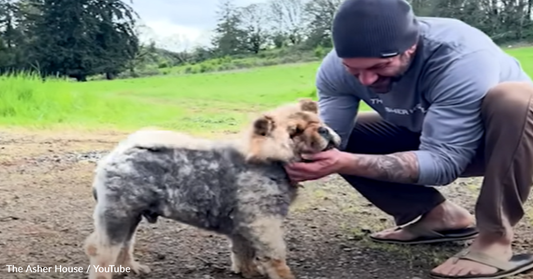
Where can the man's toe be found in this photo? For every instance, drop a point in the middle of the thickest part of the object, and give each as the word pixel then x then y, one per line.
pixel 476 265
pixel 453 270
pixel 462 271
pixel 384 232
pixel 444 268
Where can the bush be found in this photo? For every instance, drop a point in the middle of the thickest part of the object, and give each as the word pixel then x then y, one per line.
pixel 320 52
pixel 264 58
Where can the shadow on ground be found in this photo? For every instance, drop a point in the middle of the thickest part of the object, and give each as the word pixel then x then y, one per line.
pixel 46 207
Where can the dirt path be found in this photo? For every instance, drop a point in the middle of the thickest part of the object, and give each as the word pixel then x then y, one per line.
pixel 46 207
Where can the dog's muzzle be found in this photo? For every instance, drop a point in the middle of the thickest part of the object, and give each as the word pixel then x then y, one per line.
pixel 325 134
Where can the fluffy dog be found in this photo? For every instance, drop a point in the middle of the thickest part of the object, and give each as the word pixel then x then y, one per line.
pixel 237 188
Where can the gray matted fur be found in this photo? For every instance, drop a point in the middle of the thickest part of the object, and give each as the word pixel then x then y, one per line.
pixel 237 188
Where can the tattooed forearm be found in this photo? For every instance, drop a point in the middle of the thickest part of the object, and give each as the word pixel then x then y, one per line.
pixel 401 167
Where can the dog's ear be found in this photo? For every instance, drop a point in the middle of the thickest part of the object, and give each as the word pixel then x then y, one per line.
pixel 308 105
pixel 263 125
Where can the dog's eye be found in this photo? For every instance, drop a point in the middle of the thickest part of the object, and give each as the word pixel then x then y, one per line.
pixel 294 131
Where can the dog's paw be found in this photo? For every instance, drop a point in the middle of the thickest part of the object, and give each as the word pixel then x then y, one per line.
pixel 235 268
pixel 248 274
pixel 249 271
pixel 138 268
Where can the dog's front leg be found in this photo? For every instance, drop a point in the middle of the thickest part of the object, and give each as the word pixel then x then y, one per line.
pixel 266 236
pixel 242 257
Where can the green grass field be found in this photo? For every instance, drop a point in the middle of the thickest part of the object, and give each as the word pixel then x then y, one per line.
pixel 196 103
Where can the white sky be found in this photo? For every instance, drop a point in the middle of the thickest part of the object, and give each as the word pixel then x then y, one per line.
pixel 179 24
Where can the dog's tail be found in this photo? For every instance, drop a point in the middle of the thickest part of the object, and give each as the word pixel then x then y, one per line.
pixel 157 139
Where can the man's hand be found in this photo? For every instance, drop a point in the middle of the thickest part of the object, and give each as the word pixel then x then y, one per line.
pixel 323 164
pixel 400 167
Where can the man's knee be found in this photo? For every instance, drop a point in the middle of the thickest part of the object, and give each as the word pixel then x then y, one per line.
pixel 507 101
pixel 368 118
pixel 373 135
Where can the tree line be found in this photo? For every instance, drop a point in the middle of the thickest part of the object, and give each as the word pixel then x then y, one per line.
pixel 74 38
pixel 81 38
pixel 278 23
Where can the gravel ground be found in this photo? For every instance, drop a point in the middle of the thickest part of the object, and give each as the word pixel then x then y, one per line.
pixel 46 206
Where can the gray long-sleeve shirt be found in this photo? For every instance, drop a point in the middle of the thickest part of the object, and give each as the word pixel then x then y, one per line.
pixel 439 96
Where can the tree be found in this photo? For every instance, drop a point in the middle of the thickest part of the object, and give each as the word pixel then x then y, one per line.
pixel 12 37
pixel 78 38
pixel 229 38
pixel 114 34
pixel 319 16
pixel 254 21
pixel 288 21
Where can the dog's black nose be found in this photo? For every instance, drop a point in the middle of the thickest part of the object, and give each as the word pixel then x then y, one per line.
pixel 323 132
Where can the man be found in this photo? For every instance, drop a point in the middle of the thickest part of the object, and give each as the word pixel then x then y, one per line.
pixel 449 103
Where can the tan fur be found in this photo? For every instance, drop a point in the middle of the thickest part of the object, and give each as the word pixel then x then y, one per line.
pixel 281 269
pixel 272 139
pixel 269 230
pixel 243 258
pixel 152 138
pixel 267 137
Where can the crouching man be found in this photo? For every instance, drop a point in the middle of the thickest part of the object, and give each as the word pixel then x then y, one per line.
pixel 450 103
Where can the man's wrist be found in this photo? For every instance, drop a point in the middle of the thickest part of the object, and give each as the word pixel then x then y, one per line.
pixel 346 162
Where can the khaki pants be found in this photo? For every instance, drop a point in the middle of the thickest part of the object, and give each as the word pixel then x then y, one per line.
pixel 505 159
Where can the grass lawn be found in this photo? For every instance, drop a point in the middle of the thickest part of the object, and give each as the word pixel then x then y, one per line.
pixel 196 103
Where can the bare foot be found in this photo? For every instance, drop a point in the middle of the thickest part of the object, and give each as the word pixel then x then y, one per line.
pixel 498 248
pixel 445 216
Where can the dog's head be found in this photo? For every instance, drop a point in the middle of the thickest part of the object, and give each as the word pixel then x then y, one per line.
pixel 288 131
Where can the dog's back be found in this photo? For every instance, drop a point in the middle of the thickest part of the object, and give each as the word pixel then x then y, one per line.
pixel 202 184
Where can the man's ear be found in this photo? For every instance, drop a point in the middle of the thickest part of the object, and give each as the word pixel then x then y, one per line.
pixel 308 105
pixel 263 125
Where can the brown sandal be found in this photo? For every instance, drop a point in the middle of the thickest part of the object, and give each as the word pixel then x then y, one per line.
pixel 519 263
pixel 426 236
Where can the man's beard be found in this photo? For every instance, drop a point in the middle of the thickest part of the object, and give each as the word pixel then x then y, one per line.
pixel 384 84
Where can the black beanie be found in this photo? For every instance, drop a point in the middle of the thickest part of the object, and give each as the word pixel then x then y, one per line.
pixel 374 28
